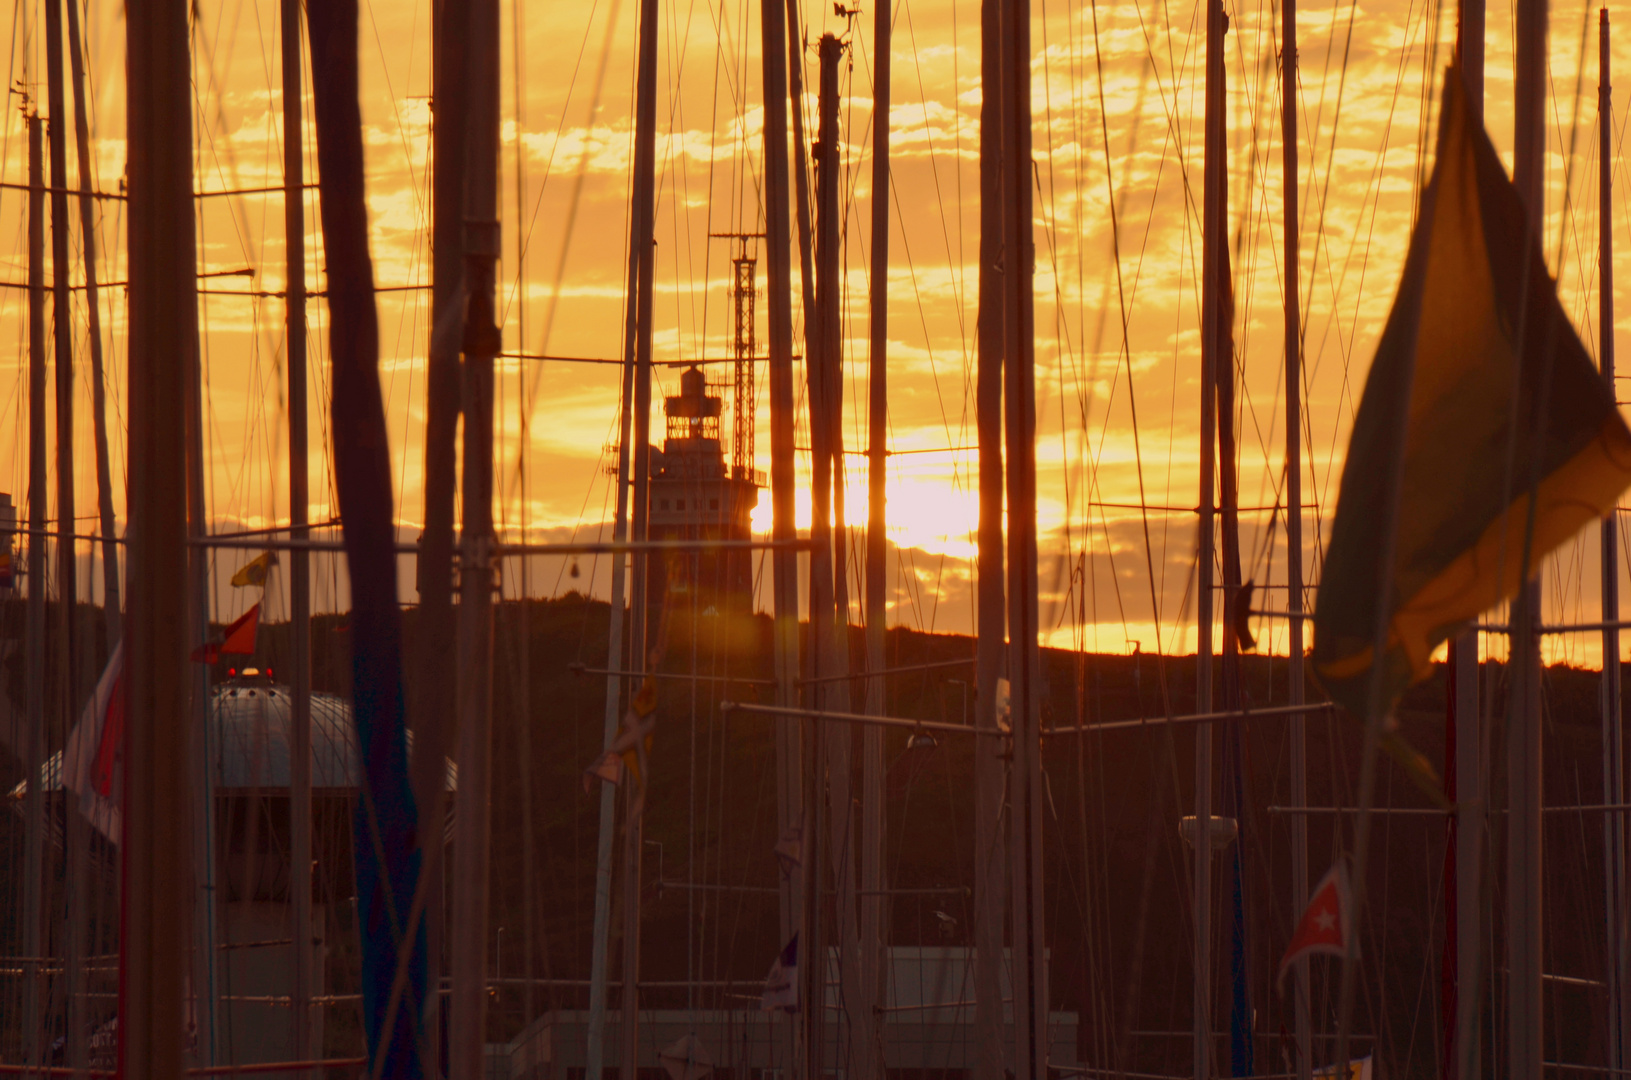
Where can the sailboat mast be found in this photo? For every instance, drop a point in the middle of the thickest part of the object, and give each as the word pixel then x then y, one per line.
pixel 1525 1001
pixel 294 237
pixel 990 768
pixel 829 760
pixel 1294 517
pixel 1213 240
pixel 1024 657
pixel 595 1058
pixel 1469 794
pixel 63 339
pixel 33 804
pixel 877 548
pixel 1619 955
pixel 68 642
pixel 784 563
pixel 435 688
pixel 830 590
pixel 93 318
pixel 644 244
pixel 472 842
pixel 156 850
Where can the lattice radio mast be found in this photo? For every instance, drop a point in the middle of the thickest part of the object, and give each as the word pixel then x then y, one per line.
pixel 744 295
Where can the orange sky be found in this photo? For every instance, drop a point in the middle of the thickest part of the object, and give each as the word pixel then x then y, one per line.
pixel 1117 98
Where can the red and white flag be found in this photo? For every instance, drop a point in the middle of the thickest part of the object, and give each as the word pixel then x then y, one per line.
pixel 1326 922
pixel 93 758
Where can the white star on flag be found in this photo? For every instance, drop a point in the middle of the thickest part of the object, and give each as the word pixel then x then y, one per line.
pixel 1325 923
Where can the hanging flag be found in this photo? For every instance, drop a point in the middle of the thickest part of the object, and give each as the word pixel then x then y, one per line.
pixel 632 743
pixel 253 572
pixel 238 639
pixel 1503 422
pixel 93 757
pixel 686 1059
pixel 782 984
pixel 1326 922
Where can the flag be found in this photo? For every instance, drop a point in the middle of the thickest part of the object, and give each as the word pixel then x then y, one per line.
pixel 93 757
pixel 632 743
pixel 686 1059
pixel 254 571
pixel 1485 386
pixel 238 639
pixel 1325 924
pixel 782 984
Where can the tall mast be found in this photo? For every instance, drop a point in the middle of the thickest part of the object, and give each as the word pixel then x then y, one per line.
pixel 877 547
pixel 93 317
pixel 827 764
pixel 1468 763
pixel 1525 1001
pixel 1294 516
pixel 33 804
pixel 1030 1008
pixel 829 591
pixel 1241 1014
pixel 294 238
pixel 156 850
pixel 1619 965
pixel 601 939
pixel 1213 240
pixel 67 639
pixel 435 690
pixel 784 563
pixel 62 336
pixel 990 768
pixel 472 846
pixel 643 242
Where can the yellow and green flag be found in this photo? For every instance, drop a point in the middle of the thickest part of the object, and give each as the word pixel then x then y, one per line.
pixel 1499 404
pixel 253 573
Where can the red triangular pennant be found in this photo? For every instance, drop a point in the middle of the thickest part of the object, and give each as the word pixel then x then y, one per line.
pixel 1326 922
pixel 237 640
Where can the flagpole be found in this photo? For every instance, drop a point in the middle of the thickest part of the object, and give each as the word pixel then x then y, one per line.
pixel 1619 965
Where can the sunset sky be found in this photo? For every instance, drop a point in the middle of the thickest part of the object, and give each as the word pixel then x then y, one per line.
pixel 1117 97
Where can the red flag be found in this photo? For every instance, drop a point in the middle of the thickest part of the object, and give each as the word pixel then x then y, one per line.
pixel 1326 922
pixel 237 640
pixel 93 757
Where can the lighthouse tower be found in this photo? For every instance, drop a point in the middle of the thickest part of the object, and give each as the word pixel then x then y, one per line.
pixel 696 496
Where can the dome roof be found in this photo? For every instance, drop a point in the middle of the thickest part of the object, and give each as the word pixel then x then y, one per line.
pixel 249 741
